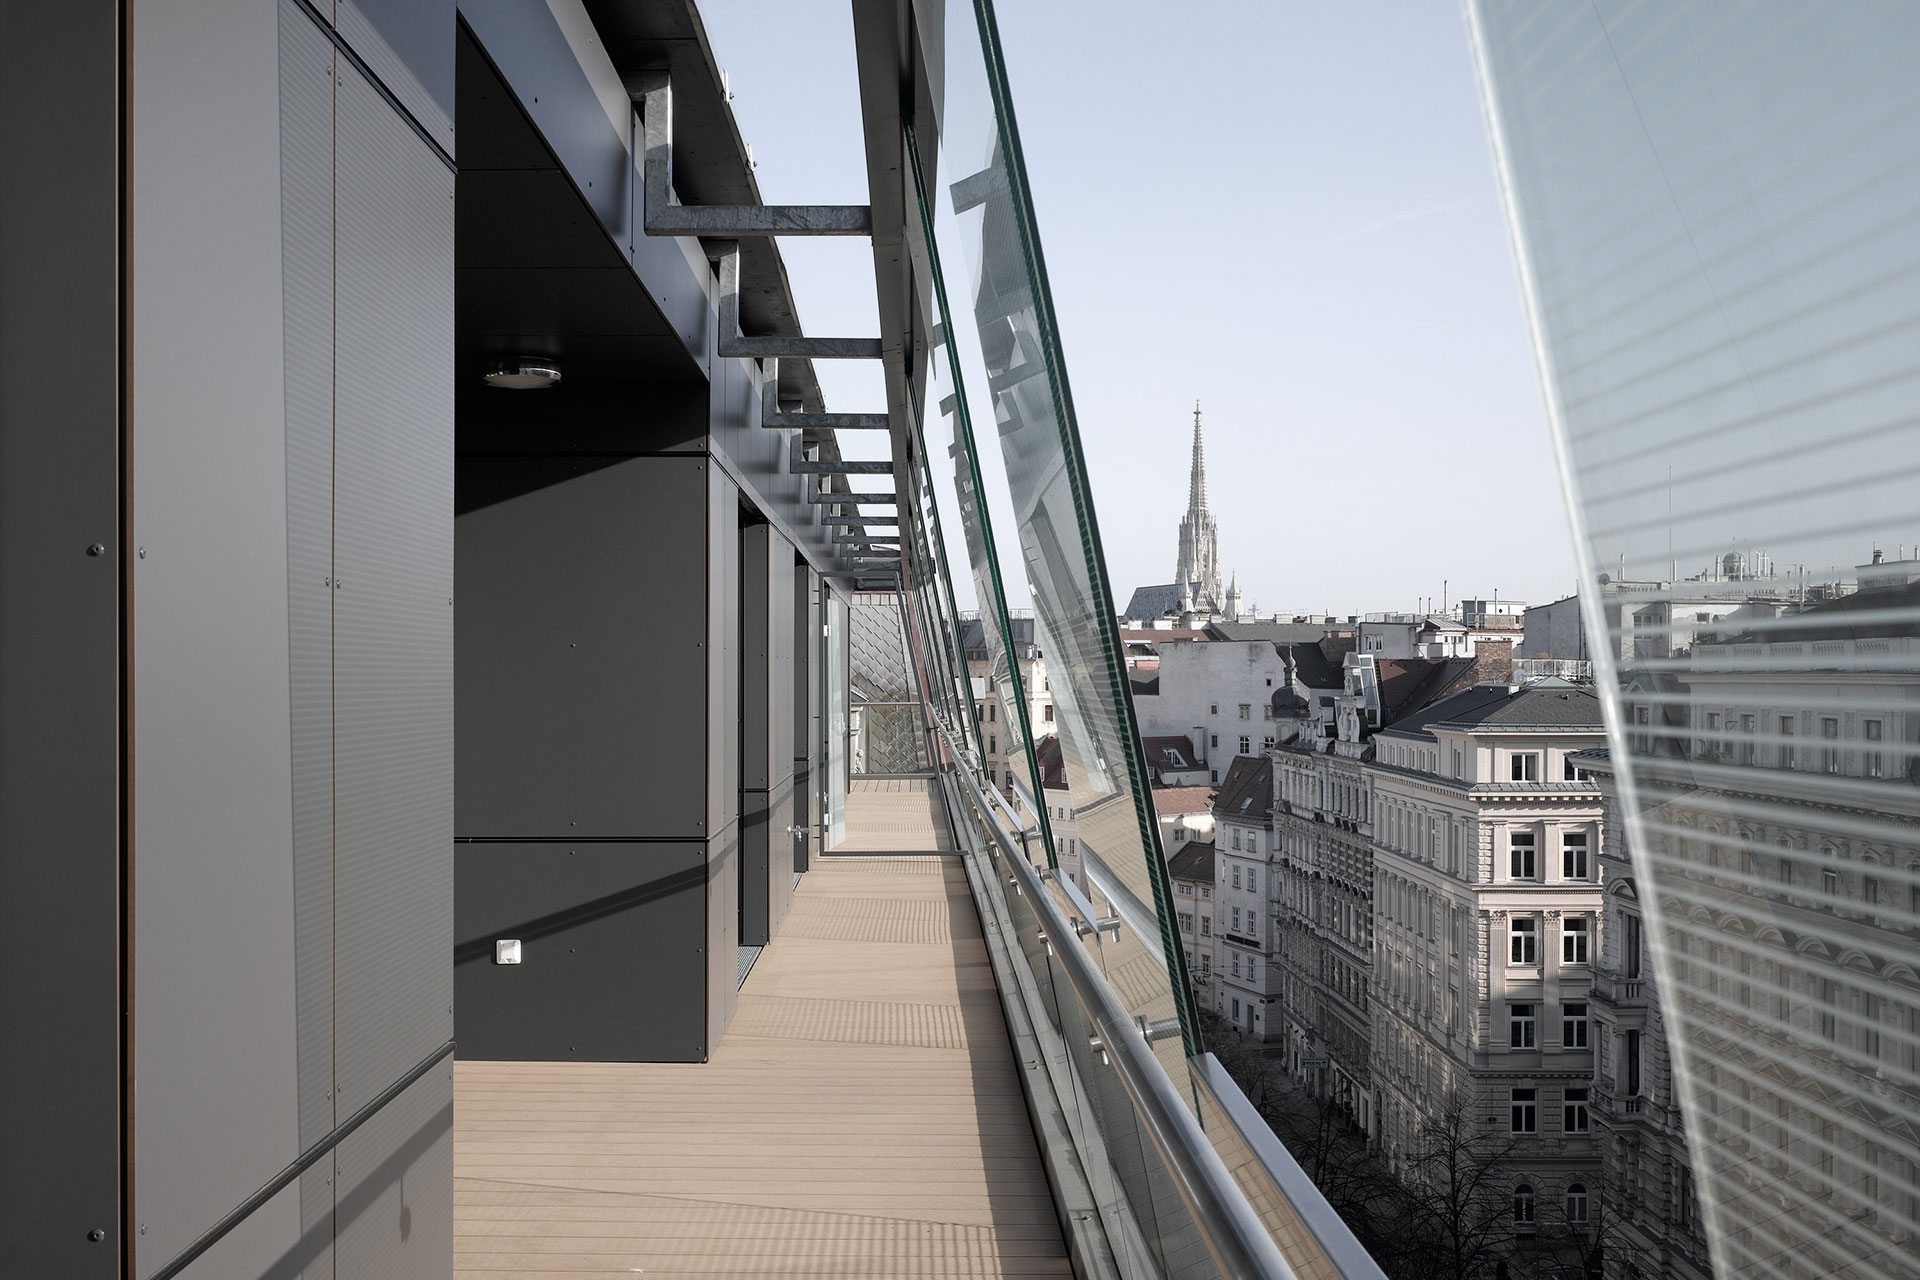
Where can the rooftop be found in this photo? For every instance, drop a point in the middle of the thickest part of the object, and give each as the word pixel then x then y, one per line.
pixel 1246 793
pixel 1172 800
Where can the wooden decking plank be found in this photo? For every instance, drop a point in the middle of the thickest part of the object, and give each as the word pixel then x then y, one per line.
pixel 863 1115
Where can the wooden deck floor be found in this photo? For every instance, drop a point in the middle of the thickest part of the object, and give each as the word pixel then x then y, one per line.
pixel 861 1116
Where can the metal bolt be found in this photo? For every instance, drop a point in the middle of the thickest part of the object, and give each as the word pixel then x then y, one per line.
pixel 143 1228
pixel 143 553
pixel 96 549
pixel 96 1235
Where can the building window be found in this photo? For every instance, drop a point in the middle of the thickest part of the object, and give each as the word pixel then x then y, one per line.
pixel 1520 1026
pixel 1213 740
pixel 1571 772
pixel 1520 864
pixel 1253 878
pixel 1186 922
pixel 1246 745
pixel 1236 929
pixel 1213 709
pixel 1246 711
pixel 1630 947
pixel 1456 762
pixel 1573 940
pixel 1633 1064
pixel 1236 1004
pixel 993 713
pixel 1526 766
pixel 1206 926
pixel 1573 1025
pixel 1577 1193
pixel 1266 743
pixel 1829 755
pixel 1573 856
pixel 1215 773
pixel 1525 938
pixel 1048 713
pixel 1236 954
pixel 1873 762
pixel 1526 1119
pixel 1787 759
pixel 1236 870
pixel 1573 1111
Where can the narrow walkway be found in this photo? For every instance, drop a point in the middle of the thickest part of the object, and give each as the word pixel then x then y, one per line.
pixel 861 1116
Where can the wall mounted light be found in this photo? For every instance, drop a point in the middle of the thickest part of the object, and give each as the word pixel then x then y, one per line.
pixel 522 373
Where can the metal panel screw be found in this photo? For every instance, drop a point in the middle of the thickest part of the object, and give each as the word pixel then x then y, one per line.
pixel 96 1235
pixel 143 1228
pixel 143 553
pixel 96 549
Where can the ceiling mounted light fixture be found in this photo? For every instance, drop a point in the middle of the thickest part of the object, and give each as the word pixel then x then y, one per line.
pixel 522 373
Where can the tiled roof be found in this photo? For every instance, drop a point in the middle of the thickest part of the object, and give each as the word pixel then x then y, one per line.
pixel 1151 602
pixel 1172 800
pixel 1546 704
pixel 1194 862
pixel 1246 794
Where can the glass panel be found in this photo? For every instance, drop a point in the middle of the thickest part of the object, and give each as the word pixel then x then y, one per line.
pixel 833 789
pixel 886 727
pixel 1003 671
pixel 1717 213
pixel 981 214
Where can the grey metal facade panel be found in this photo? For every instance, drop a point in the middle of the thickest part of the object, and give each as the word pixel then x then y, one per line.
pixel 59 634
pixel 393 589
pixel 757 743
pixel 566 674
pixel 214 1034
pixel 755 876
pixel 268 1245
pixel 614 942
pixel 306 219
pixel 394 1184
pixel 721 717
pixel 408 44
pixel 780 855
pixel 780 660
pixel 723 933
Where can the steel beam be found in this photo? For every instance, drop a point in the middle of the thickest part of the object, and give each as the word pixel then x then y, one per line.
pixel 663 217
pixel 808 466
pixel 771 416
pixel 734 344
pixel 855 499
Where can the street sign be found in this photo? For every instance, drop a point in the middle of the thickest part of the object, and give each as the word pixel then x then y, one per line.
pixel 1308 1064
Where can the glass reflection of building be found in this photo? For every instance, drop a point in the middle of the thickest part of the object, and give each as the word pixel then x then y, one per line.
pixel 1714 214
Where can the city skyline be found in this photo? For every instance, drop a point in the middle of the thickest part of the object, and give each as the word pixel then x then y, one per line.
pixel 1368 326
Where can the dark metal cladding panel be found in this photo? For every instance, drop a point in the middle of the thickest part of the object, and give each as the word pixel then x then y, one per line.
pixel 216 1112
pixel 583 709
pixel 408 45
pixel 393 598
pixel 306 228
pixel 394 1180
pixel 613 939
pixel 59 619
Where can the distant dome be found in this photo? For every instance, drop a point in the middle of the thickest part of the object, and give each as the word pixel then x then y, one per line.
pixel 1605 578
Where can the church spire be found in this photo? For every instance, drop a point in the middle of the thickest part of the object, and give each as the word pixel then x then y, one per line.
pixel 1197 482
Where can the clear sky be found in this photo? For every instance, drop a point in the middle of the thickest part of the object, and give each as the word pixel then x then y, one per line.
pixel 1285 210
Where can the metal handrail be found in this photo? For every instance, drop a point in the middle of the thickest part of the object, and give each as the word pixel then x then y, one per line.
pixel 1234 1234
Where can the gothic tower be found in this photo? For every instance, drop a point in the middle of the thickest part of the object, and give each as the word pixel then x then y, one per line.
pixel 1199 541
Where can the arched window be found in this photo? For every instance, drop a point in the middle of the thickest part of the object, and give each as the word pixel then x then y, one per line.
pixel 1577 1203
pixel 1523 1203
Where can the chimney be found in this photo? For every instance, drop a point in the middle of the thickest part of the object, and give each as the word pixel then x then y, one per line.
pixel 1198 737
pixel 1493 661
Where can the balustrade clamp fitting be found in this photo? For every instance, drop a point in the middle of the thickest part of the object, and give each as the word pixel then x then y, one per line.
pixel 1106 924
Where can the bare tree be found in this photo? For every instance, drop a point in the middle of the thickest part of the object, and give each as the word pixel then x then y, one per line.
pixel 1459 1188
